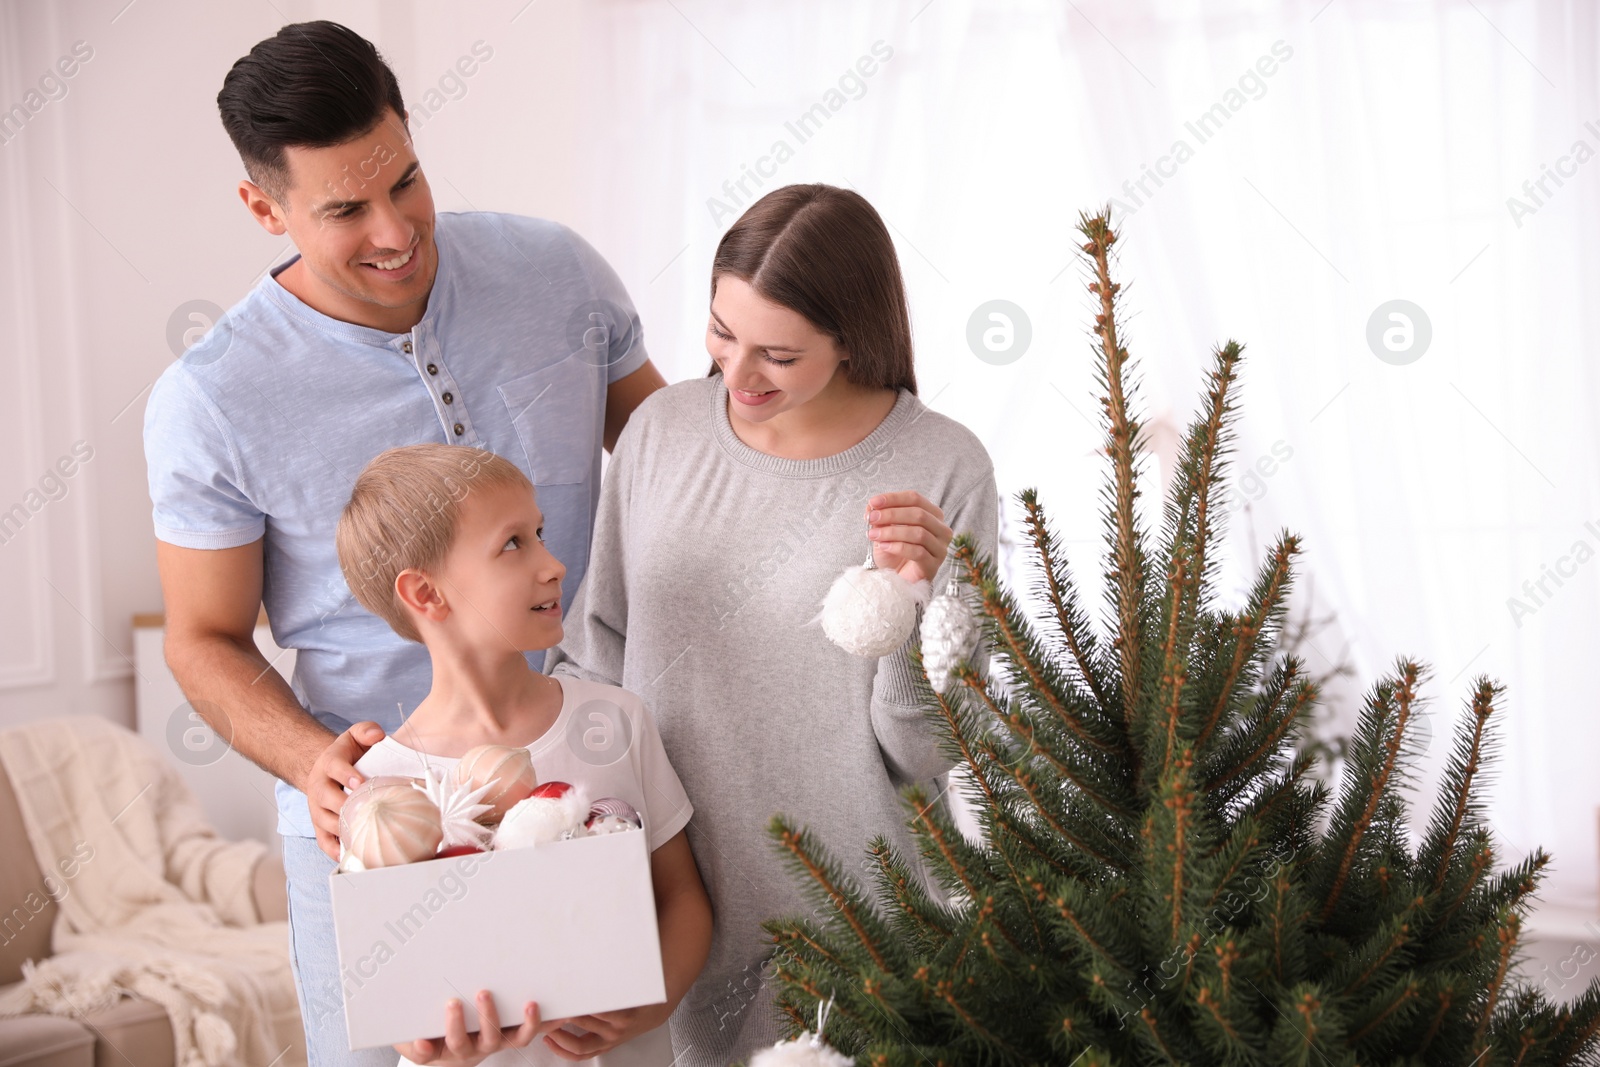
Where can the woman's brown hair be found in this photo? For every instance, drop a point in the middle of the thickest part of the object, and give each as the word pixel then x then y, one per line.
pixel 824 253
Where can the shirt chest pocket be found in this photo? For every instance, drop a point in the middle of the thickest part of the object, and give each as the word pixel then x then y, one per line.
pixel 556 412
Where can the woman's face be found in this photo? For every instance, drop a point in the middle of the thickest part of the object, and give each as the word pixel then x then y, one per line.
pixel 773 359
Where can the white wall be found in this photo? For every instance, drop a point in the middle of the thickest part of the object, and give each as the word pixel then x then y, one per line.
pixel 1378 163
pixel 117 206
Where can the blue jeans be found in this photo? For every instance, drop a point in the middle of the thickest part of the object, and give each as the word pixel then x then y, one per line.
pixel 315 960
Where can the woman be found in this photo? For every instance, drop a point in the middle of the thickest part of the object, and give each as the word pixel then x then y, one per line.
pixel 731 504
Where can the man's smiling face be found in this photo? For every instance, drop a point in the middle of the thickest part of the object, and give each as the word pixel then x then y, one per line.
pixel 361 214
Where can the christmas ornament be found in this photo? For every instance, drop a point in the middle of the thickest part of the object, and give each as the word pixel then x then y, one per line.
pixel 807 1050
pixel 348 862
pixel 949 632
pixel 385 822
pixel 610 815
pixel 871 610
pixel 458 850
pixel 508 770
pixel 555 811
pixel 459 808
pixel 378 781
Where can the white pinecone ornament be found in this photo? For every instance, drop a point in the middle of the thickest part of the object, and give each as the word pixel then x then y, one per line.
pixel 949 632
pixel 459 809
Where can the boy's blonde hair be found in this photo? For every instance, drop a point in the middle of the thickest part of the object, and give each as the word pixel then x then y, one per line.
pixel 403 513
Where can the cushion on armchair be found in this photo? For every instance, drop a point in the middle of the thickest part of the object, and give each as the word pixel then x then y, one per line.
pixel 45 1041
pixel 131 1032
pixel 29 900
pixel 270 889
pixel 159 906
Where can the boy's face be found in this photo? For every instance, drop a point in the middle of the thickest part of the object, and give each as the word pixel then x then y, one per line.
pixel 503 586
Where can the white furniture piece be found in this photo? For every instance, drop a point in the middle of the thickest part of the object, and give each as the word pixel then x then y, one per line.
pixel 235 793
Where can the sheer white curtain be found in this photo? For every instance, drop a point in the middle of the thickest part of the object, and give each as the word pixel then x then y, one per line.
pixel 1339 156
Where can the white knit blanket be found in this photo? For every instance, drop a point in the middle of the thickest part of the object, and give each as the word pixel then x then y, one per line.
pixel 152 902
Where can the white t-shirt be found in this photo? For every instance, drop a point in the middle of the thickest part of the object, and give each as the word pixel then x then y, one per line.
pixel 604 742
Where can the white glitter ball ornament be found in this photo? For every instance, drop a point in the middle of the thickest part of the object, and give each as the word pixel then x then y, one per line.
pixel 801 1052
pixel 807 1050
pixel 949 632
pixel 871 610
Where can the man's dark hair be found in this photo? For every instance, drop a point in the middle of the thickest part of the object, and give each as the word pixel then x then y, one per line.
pixel 313 84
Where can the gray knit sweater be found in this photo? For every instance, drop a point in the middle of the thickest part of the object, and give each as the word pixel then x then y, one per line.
pixel 708 565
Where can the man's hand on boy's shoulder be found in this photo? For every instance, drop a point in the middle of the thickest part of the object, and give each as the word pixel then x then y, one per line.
pixel 330 774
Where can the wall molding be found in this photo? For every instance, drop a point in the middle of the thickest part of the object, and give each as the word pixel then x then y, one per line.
pixel 23 336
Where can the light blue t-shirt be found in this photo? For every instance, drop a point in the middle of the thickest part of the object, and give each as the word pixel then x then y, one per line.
pixel 261 428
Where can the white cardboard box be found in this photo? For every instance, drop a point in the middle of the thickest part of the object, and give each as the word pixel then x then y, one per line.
pixel 569 924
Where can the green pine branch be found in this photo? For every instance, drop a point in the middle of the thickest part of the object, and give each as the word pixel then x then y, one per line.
pixel 1160 878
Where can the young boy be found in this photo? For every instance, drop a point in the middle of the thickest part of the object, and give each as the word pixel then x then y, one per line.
pixel 444 543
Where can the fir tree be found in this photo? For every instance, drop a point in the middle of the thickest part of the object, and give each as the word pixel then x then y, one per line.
pixel 1160 880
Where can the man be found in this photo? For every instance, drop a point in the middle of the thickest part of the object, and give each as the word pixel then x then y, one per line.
pixel 392 326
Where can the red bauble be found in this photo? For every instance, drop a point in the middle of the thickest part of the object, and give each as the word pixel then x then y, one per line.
pixel 458 850
pixel 553 790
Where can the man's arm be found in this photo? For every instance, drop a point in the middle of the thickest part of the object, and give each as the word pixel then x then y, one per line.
pixel 625 394
pixel 212 598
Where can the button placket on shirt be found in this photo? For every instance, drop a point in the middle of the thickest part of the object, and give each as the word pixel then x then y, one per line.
pixel 423 348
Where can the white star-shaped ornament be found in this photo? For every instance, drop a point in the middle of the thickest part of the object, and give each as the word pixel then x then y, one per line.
pixel 458 809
